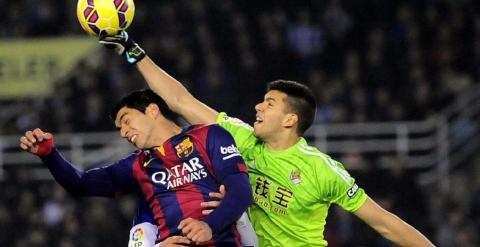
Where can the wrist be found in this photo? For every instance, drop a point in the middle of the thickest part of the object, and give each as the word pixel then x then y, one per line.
pixel 212 224
pixel 135 54
pixel 45 148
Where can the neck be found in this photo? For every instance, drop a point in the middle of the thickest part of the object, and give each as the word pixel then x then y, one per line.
pixel 281 142
pixel 165 132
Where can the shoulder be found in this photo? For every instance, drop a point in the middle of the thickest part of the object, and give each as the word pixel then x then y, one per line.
pixel 136 155
pixel 206 128
pixel 323 163
pixel 224 120
pixel 311 154
pixel 209 132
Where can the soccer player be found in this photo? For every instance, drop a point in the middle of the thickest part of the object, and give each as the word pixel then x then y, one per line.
pixel 173 170
pixel 293 183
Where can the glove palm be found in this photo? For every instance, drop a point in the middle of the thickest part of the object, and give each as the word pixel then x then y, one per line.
pixel 124 45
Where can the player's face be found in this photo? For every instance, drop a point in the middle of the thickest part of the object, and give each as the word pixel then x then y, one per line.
pixel 271 114
pixel 135 126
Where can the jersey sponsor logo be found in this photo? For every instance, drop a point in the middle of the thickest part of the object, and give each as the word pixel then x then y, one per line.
pixel 271 196
pixel 137 235
pixel 295 177
pixel 182 174
pixel 230 152
pixel 184 148
pixel 352 191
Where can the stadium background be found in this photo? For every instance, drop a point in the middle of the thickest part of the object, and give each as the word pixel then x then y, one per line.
pixel 368 61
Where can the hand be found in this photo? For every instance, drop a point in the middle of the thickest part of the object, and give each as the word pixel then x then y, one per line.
pixel 211 205
pixel 124 45
pixel 196 230
pixel 174 241
pixel 37 142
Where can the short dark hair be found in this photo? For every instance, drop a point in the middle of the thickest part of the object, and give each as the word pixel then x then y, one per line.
pixel 300 99
pixel 139 100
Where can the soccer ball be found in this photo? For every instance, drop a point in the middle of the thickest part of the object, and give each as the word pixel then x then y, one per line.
pixel 105 17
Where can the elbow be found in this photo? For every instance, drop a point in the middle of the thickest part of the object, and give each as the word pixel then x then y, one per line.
pixel 74 192
pixel 74 188
pixel 385 232
pixel 248 198
pixel 179 101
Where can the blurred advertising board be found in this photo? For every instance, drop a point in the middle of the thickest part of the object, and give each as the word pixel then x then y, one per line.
pixel 28 67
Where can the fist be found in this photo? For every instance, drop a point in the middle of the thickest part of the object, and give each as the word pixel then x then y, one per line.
pixel 37 142
pixel 196 230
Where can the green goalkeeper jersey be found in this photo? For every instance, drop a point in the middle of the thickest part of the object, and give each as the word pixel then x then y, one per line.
pixel 292 189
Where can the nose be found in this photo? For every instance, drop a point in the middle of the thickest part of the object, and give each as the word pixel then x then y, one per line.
pixel 258 107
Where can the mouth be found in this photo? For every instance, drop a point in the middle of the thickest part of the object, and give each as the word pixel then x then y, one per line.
pixel 132 138
pixel 258 120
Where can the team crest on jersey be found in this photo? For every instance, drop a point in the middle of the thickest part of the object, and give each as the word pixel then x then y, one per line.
pixel 184 148
pixel 295 177
pixel 137 235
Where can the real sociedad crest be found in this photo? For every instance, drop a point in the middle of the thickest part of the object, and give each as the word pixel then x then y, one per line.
pixel 295 177
pixel 184 148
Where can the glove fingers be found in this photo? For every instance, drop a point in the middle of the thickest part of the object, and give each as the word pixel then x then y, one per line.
pixel 119 49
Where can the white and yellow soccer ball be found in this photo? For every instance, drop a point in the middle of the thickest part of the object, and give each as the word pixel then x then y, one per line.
pixel 105 17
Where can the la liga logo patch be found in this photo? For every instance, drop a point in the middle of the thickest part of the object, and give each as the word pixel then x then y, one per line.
pixel 137 235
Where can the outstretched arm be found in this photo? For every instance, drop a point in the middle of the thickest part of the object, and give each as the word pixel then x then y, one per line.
pixel 172 91
pixel 390 226
pixel 104 182
pixel 175 94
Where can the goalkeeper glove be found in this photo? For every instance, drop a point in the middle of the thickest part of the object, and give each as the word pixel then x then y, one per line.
pixel 124 45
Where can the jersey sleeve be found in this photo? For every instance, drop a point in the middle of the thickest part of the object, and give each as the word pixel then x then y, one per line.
pixel 337 186
pixel 241 131
pixel 144 212
pixel 143 235
pixel 223 153
pixel 107 181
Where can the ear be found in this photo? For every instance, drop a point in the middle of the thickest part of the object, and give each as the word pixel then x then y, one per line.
pixel 290 120
pixel 152 110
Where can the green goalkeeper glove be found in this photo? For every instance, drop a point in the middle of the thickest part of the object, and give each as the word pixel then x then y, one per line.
pixel 124 45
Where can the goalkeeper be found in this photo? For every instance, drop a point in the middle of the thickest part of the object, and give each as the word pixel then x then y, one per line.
pixel 293 183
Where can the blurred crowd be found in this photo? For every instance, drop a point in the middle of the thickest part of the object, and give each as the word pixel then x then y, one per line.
pixel 366 60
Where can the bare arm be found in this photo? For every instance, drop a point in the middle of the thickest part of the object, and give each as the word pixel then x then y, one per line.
pixel 175 94
pixel 390 226
pixel 172 91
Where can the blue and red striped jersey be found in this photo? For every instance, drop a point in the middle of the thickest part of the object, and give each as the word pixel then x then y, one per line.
pixel 172 180
pixel 176 177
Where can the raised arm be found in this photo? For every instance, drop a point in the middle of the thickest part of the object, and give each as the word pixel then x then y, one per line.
pixel 172 91
pixel 175 94
pixel 390 226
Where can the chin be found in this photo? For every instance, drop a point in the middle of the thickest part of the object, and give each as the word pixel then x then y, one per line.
pixel 255 131
pixel 257 134
pixel 139 145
